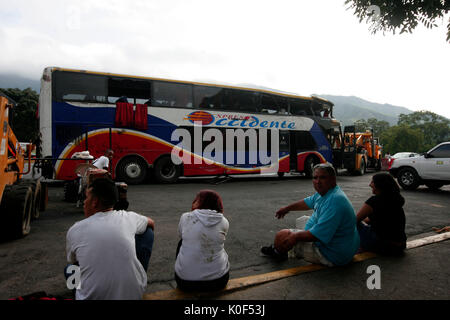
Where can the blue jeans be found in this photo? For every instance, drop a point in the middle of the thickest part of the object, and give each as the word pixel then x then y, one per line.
pixel 144 245
pixel 369 241
pixel 368 238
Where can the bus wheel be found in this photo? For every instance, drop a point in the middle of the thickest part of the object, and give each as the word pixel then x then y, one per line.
pixel 132 170
pixel 166 171
pixel 309 167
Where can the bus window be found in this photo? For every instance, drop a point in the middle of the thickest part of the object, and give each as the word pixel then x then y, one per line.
pixel 300 107
pixel 168 94
pixel 283 105
pixel 239 100
pixel 269 104
pixel 71 86
pixel 317 108
pixel 207 97
pixel 137 91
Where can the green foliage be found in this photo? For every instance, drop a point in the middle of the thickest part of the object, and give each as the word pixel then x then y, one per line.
pixel 435 128
pixel 402 138
pixel 372 123
pixel 401 15
pixel 416 132
pixel 24 121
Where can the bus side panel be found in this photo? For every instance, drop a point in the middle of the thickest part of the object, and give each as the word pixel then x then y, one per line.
pixel 283 163
pixel 324 146
pixel 124 142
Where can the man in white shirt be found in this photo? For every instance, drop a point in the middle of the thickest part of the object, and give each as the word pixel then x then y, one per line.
pixel 103 161
pixel 112 248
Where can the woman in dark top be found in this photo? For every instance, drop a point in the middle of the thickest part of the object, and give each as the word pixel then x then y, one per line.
pixel 381 220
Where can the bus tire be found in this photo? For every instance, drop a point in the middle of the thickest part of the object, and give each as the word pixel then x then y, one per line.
pixel 310 162
pixel 132 170
pixel 408 179
pixel 165 171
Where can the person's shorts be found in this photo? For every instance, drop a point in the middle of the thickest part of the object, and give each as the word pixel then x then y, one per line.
pixel 308 251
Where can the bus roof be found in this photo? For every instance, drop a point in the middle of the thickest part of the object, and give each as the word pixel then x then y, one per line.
pixel 211 83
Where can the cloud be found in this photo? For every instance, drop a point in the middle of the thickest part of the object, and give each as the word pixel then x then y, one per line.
pixel 289 45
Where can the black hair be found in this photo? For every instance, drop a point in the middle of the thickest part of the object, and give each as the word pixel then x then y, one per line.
pixel 105 190
pixel 385 183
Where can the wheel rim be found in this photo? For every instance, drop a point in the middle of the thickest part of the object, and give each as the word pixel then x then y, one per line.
pixel 133 170
pixel 168 170
pixel 407 178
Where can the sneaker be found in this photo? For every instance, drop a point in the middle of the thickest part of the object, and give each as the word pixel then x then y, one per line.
pixel 270 251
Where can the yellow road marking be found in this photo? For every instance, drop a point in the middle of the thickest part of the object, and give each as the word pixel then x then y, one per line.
pixel 244 282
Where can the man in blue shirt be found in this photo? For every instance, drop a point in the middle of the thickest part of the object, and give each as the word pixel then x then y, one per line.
pixel 330 236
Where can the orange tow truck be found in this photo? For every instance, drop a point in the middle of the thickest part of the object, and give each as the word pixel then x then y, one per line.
pixel 20 199
pixel 361 150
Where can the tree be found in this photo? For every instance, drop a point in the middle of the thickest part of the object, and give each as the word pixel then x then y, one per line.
pixel 402 138
pixel 24 121
pixel 372 123
pixel 434 127
pixel 403 15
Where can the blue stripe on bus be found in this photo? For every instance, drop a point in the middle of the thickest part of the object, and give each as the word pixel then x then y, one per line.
pixel 321 140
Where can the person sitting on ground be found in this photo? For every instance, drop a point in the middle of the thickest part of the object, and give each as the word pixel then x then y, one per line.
pixel 381 220
pixel 329 236
pixel 112 248
pixel 103 161
pixel 202 262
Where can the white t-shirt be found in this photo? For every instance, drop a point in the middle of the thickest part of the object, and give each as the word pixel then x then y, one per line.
pixel 102 162
pixel 104 247
pixel 202 255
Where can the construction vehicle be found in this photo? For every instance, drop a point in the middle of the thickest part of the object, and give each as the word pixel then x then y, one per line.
pixel 360 151
pixel 21 199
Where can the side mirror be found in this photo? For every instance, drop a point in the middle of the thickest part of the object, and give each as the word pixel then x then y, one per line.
pixel 426 155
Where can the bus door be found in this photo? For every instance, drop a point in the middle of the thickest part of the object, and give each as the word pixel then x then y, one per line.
pixel 289 148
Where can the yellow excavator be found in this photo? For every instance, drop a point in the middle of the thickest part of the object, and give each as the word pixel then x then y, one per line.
pixel 21 199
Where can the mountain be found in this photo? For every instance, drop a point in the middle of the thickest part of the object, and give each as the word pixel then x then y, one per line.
pixel 14 81
pixel 349 109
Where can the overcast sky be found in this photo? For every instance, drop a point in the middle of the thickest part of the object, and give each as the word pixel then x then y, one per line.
pixel 305 47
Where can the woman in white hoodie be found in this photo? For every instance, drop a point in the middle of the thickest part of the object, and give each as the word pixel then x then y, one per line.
pixel 202 263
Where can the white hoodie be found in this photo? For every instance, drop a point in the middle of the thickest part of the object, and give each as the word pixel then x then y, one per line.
pixel 202 255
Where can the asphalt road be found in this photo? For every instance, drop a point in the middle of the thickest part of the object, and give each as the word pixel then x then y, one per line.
pixel 36 262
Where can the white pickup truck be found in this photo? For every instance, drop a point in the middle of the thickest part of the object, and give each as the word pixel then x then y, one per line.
pixel 431 168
